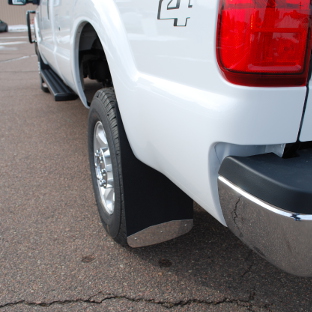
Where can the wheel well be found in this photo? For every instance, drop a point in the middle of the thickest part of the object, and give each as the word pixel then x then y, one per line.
pixel 92 62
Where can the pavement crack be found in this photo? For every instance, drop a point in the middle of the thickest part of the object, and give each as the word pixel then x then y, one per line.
pixel 250 265
pixel 166 304
pixel 95 300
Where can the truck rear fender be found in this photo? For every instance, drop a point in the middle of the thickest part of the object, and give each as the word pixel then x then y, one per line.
pixel 156 209
pixel 108 26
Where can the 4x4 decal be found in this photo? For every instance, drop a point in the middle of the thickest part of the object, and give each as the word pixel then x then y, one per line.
pixel 178 10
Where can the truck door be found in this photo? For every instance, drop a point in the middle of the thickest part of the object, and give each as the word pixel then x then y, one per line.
pixel 63 12
pixel 55 25
pixel 47 44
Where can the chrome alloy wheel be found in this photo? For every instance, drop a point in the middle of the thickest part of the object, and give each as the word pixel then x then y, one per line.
pixel 103 168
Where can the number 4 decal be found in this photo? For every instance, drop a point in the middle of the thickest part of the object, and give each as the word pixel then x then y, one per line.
pixel 178 10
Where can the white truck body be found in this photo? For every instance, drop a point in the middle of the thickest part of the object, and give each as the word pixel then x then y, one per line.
pixel 181 116
pixel 194 116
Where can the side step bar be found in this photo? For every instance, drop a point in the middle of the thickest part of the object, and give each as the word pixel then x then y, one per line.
pixel 57 87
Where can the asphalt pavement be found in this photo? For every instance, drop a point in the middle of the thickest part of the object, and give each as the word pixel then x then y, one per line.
pixel 54 252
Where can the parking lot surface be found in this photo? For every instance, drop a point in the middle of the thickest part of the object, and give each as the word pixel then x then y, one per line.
pixel 54 252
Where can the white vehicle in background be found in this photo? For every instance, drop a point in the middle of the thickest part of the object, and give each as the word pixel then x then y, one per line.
pixel 201 100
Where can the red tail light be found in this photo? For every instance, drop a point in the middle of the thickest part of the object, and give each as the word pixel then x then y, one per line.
pixel 264 42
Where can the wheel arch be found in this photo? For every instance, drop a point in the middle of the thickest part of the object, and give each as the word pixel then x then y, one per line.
pixel 80 43
pixel 107 26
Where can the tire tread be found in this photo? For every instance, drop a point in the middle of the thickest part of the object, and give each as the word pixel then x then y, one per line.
pixel 107 98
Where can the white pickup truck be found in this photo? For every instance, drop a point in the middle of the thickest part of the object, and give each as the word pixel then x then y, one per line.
pixel 204 100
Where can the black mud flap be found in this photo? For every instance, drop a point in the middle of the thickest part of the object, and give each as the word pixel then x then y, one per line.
pixel 156 209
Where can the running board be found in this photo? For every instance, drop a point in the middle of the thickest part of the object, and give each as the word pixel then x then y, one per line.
pixel 57 87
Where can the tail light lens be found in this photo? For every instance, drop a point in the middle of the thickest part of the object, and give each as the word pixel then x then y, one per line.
pixel 264 42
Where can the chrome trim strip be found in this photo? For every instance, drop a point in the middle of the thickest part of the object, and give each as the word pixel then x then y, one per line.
pixel 257 201
pixel 160 233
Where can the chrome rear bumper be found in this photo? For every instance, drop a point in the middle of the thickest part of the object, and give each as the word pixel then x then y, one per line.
pixel 280 236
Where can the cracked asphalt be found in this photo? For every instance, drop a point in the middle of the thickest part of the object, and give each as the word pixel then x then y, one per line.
pixel 54 252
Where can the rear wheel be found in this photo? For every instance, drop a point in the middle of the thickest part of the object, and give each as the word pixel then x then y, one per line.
pixel 105 163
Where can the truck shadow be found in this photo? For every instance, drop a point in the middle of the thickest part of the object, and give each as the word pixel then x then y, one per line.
pixel 213 260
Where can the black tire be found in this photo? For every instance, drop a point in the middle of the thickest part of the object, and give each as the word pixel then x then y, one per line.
pixel 103 112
